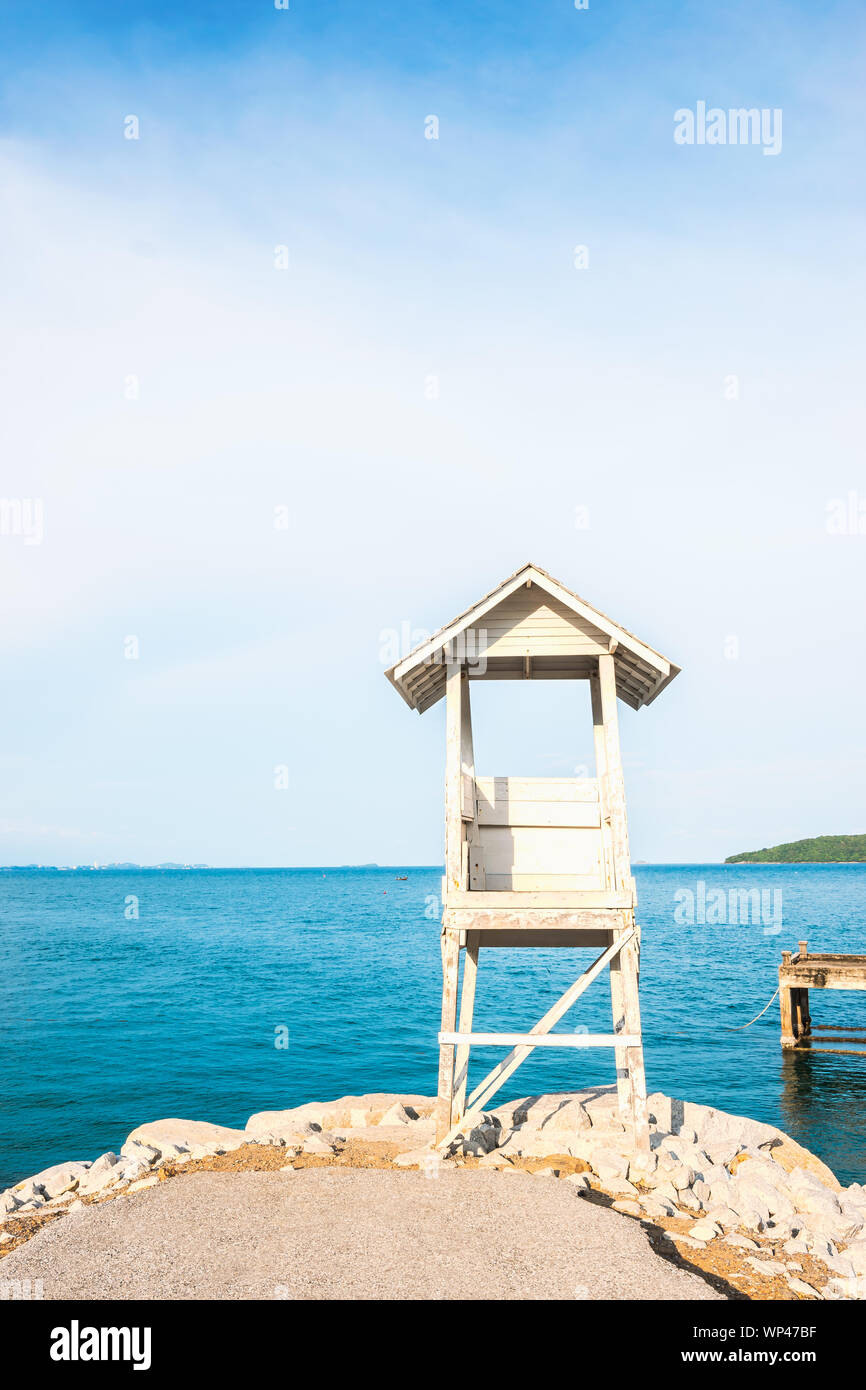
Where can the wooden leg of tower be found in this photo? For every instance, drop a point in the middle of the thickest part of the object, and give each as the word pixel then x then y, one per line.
pixel 445 1093
pixel 617 999
pixel 634 1055
pixel 467 1005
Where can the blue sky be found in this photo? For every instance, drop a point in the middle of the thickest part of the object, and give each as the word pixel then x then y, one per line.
pixel 146 268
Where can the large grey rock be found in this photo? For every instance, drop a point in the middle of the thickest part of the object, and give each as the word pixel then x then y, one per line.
pixel 796 1247
pixel 681 1176
pixel 569 1118
pixel 801 1287
pixel 130 1169
pixel 161 1134
pixel 347 1111
pixel 619 1187
pixel 856 1194
pixel 818 1201
pixel 609 1163
pixel 657 1210
pixel 145 1153
pixel 208 1150
pixel 830 1225
pixel 397 1115
pixel 319 1144
pixel 688 1200
pixel 28 1190
pixel 99 1175
pixel 61 1177
pixel 724 1216
pixel 705 1230
pixel 643 1168
pixel 716 1130
pixel 755 1192
pixel 666 1192
pixel 484 1134
pixel 528 1142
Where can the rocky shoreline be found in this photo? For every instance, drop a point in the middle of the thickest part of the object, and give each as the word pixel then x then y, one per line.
pixel 736 1200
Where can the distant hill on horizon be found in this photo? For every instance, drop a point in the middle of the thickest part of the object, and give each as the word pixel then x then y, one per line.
pixel 821 849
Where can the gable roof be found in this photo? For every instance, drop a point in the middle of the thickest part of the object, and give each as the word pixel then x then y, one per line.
pixel 641 672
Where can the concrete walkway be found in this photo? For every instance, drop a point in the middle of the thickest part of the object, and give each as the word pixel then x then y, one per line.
pixel 328 1233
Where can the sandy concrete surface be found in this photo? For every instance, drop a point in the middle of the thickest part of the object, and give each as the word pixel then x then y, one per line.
pixel 330 1233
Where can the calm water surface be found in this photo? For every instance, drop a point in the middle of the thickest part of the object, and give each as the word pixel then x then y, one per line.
pixel 109 1021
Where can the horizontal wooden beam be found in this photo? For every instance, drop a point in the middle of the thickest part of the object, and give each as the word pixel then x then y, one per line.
pixel 524 923
pixel 602 899
pixel 587 938
pixel 540 1039
pixel 841 1051
pixel 822 977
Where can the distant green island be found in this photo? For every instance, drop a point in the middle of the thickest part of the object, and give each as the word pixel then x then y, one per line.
pixel 822 849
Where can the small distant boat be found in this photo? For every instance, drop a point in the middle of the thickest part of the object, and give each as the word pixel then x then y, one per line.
pixel 401 878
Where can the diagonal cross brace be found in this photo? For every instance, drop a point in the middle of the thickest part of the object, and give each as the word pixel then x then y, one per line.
pixel 508 1066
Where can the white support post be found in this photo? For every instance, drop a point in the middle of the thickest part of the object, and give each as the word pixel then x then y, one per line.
pixel 453 781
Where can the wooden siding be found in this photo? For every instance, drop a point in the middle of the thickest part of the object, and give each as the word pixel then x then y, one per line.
pixel 530 622
pixel 539 834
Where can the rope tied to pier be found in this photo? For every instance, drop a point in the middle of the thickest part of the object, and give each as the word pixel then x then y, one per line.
pixel 741 1026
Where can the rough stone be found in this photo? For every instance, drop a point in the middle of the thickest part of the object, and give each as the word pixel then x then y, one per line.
pixel 620 1187
pixel 29 1190
pixel 397 1115
pixel 751 1219
pixel 482 1138
pixel 143 1182
pixel 763 1196
pixel 319 1145
pixel 61 1177
pixel 796 1247
pixel 657 1211
pixel 528 1142
pixel 688 1200
pixel 643 1167
pixel 350 1111
pixel 769 1268
pixel 99 1175
pixel 171 1154
pixel 569 1118
pixel 162 1134
pixel 801 1287
pixel 494 1159
pixel 608 1163
pixel 145 1153
pixel 666 1192
pixel 123 1172
pixel 627 1208
pixel 856 1253
pixel 832 1225
pixel 724 1216
pixel 705 1230
pixel 681 1176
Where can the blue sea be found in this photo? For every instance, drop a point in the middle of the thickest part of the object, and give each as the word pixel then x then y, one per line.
pixel 111 1019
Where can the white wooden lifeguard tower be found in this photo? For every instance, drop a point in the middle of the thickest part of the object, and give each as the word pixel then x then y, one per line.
pixel 535 861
